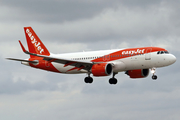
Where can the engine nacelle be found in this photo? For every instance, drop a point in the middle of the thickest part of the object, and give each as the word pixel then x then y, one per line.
pixel 101 69
pixel 140 73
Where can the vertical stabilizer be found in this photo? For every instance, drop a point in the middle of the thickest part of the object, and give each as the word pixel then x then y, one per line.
pixel 35 45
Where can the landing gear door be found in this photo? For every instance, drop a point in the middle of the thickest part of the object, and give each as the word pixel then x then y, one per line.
pixel 148 54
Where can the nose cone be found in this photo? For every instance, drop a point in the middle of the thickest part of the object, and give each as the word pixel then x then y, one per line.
pixel 172 59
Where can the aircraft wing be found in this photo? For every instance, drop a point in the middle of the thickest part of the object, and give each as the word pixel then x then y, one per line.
pixel 21 60
pixel 79 64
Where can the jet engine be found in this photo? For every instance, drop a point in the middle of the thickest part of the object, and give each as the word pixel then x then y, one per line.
pixel 101 69
pixel 140 73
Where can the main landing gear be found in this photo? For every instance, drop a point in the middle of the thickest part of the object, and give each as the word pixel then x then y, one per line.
pixel 154 77
pixel 113 80
pixel 88 79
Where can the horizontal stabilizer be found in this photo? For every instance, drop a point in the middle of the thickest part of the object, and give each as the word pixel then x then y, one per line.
pixel 22 60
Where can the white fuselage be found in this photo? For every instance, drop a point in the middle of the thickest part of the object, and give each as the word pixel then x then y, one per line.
pixel 131 62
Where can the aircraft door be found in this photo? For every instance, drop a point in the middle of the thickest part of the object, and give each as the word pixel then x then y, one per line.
pixel 148 54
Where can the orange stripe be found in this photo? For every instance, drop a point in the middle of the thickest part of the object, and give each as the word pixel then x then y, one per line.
pixel 72 69
pixel 80 68
pixel 69 63
pixel 128 53
pixel 52 60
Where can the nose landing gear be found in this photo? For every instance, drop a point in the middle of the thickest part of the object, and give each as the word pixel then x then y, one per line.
pixel 154 77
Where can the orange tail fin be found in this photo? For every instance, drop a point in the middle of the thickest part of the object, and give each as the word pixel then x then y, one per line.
pixel 35 45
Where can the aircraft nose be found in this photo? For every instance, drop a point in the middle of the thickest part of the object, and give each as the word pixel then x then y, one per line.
pixel 172 59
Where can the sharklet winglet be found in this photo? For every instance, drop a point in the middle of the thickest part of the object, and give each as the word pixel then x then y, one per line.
pixel 24 50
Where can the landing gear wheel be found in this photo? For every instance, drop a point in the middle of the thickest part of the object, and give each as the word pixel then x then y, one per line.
pixel 112 81
pixel 88 79
pixel 154 77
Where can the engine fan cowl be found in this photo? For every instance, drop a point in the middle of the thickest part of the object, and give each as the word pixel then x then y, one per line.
pixel 101 69
pixel 140 73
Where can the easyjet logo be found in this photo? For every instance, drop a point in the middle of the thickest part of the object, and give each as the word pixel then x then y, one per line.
pixel 138 51
pixel 34 41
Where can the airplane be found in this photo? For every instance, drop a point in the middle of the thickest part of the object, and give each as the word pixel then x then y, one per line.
pixel 135 62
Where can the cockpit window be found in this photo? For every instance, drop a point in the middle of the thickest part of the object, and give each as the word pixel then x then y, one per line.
pixel 162 52
pixel 166 52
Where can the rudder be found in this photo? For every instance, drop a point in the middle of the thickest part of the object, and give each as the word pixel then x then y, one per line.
pixel 35 45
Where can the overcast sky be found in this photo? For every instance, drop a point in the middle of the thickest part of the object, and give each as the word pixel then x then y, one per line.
pixel 83 25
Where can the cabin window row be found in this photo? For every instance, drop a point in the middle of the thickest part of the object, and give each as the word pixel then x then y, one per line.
pixel 125 55
pixel 86 58
pixel 107 56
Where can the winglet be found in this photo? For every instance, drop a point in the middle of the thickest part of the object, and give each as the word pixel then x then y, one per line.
pixel 24 50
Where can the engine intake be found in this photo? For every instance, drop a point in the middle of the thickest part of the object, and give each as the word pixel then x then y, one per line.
pixel 101 69
pixel 140 73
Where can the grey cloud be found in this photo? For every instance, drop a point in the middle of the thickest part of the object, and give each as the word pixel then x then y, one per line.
pixel 11 85
pixel 114 22
pixel 17 79
pixel 56 11
pixel 117 25
pixel 8 86
pixel 66 10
